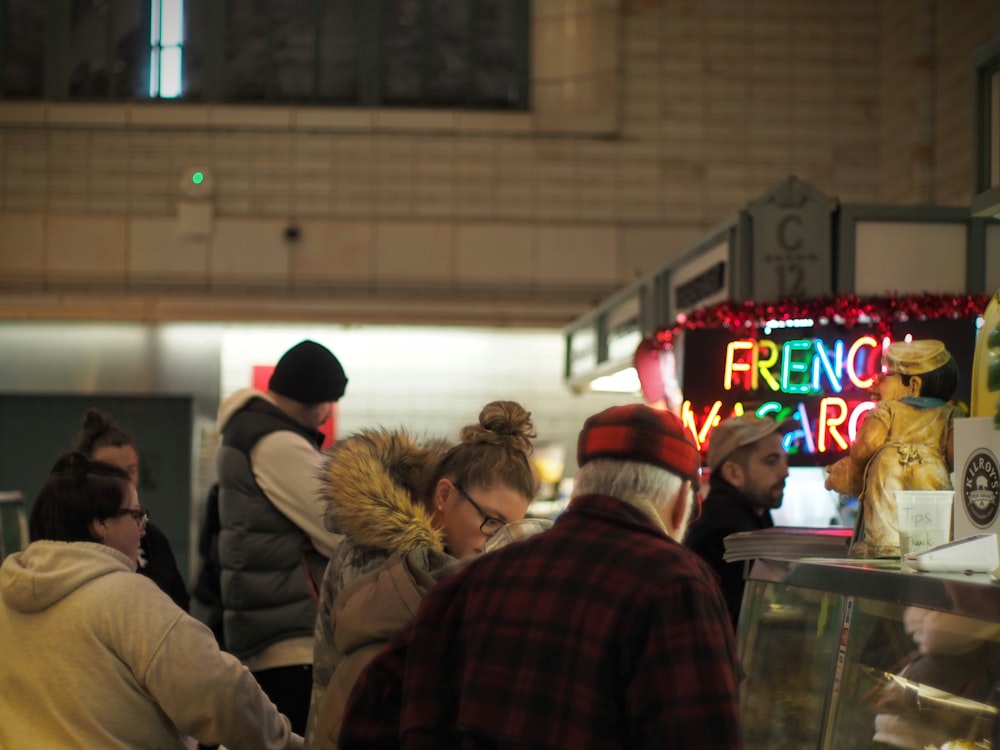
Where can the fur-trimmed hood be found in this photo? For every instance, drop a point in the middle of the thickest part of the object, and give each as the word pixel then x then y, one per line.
pixel 371 482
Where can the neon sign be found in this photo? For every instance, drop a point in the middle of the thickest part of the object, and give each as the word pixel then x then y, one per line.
pixel 821 383
pixel 820 376
pixel 800 366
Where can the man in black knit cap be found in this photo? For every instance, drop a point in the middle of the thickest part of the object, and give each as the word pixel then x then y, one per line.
pixel 273 546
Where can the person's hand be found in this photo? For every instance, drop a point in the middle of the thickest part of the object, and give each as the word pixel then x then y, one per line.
pixel 844 477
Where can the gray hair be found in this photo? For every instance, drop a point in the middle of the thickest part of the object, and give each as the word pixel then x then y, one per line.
pixel 639 484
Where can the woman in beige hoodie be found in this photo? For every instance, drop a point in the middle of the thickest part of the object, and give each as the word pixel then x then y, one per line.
pixel 96 656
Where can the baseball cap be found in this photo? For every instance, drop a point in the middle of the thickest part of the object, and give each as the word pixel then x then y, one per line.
pixel 636 432
pixel 735 432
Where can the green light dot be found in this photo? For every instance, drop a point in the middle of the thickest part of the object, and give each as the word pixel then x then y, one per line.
pixel 198 177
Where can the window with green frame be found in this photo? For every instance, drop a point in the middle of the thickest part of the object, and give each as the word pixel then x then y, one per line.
pixel 406 53
pixel 166 48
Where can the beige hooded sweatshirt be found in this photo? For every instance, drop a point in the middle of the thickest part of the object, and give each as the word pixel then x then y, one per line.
pixel 96 656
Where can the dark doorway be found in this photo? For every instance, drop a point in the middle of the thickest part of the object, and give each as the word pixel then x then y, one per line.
pixel 36 429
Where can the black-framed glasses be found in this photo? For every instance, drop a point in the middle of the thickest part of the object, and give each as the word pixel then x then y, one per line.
pixel 141 516
pixel 490 525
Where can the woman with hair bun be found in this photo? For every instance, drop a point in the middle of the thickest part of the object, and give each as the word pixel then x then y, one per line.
pixel 101 438
pixel 409 512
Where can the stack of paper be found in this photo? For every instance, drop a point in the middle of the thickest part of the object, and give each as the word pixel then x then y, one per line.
pixel 788 543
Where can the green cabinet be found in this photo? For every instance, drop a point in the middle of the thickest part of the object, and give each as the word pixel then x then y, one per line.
pixel 13 523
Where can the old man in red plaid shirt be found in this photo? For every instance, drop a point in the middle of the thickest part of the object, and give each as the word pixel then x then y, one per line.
pixel 603 632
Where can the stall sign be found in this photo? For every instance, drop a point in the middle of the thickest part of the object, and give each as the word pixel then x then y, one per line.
pixel 702 281
pixel 582 351
pixel 821 376
pixel 709 282
pixel 624 331
pixel 792 242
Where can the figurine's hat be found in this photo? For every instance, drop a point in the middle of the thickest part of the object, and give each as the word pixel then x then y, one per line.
pixel 916 357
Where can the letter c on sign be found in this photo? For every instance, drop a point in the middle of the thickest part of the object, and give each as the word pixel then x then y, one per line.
pixel 787 242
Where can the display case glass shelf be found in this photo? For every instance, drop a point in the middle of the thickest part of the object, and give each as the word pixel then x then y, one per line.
pixel 851 655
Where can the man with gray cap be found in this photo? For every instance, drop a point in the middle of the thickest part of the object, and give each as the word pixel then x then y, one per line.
pixel 749 466
pixel 602 632
pixel 273 546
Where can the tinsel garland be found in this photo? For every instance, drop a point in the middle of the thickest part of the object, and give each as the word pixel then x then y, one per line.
pixel 847 310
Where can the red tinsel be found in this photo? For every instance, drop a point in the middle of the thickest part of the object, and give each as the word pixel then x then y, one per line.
pixel 847 310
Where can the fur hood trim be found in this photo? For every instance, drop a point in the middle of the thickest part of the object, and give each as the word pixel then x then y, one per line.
pixel 370 484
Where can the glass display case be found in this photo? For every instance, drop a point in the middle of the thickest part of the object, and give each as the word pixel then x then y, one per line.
pixel 845 655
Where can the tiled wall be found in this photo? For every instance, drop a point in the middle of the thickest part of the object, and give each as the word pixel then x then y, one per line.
pixel 734 96
pixel 652 121
pixel 960 28
pixel 906 89
pixel 927 97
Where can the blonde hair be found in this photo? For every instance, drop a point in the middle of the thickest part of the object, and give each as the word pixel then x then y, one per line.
pixel 496 450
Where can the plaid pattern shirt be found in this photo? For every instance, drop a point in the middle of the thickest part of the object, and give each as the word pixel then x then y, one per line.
pixel 599 633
